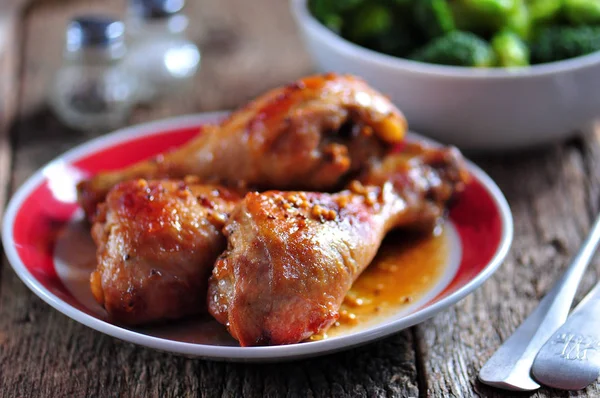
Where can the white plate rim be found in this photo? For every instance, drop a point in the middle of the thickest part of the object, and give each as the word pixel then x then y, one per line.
pixel 248 354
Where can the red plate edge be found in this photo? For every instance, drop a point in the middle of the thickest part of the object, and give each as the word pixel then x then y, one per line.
pixel 489 240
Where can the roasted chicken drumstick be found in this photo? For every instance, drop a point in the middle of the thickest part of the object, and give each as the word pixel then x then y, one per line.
pixel 312 134
pixel 157 242
pixel 293 256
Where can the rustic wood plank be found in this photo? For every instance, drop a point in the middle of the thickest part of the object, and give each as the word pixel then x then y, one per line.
pixel 10 15
pixel 554 198
pixel 247 47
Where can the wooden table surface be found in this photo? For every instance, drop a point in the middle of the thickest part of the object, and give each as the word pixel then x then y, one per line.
pixel 248 47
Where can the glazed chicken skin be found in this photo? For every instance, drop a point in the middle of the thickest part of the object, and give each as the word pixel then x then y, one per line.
pixel 293 256
pixel 157 242
pixel 313 134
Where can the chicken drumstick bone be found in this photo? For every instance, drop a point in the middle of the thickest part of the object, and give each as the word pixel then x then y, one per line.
pixel 312 134
pixel 293 256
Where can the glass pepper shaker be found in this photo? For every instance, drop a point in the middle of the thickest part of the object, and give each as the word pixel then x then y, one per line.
pixel 93 90
pixel 163 57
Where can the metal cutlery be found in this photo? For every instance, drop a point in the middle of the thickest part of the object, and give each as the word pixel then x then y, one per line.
pixel 510 367
pixel 570 359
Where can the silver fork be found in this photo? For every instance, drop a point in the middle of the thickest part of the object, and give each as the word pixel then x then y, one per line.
pixel 570 360
pixel 510 367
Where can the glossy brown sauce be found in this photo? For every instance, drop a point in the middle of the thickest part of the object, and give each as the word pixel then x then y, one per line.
pixel 406 267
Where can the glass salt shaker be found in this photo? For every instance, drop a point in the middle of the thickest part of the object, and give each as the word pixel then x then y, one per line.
pixel 163 57
pixel 93 90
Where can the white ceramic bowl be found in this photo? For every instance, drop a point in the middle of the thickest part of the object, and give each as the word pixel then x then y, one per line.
pixel 475 109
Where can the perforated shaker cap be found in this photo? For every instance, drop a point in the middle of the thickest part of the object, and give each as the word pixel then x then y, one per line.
pixel 156 9
pixel 94 31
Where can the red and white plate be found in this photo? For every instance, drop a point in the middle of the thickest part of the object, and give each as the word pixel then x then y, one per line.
pixel 49 247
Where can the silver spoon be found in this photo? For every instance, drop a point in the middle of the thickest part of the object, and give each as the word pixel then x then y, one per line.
pixel 570 359
pixel 510 367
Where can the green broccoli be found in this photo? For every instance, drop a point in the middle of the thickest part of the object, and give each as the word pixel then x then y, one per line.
pixel 543 11
pixel 324 11
pixel 399 41
pixel 562 42
pixel 582 12
pixel 433 17
pixel 368 22
pixel 484 16
pixel 457 48
pixel 330 13
pixel 510 49
pixel 345 5
pixel 322 8
pixel 519 21
pixel 401 4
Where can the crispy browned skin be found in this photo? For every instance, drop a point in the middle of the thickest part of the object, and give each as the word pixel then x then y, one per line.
pixel 312 134
pixel 156 243
pixel 293 256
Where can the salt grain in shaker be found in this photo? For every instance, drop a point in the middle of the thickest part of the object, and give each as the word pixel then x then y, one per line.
pixel 163 57
pixel 93 90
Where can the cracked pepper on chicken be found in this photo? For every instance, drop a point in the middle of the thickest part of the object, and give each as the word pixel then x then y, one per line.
pixel 313 134
pixel 281 262
pixel 156 243
pixel 293 256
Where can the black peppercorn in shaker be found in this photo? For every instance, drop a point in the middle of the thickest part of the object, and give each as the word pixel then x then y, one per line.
pixel 93 90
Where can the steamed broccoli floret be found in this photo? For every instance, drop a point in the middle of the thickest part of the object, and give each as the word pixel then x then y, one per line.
pixel 544 10
pixel 457 48
pixel 324 11
pixel 562 42
pixel 402 4
pixel 399 41
pixel 322 8
pixel 510 50
pixel 433 17
pixel 483 15
pixel 330 12
pixel 345 5
pixel 368 22
pixel 582 12
pixel 519 21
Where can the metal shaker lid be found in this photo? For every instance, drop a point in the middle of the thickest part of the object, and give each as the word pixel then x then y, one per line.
pixel 94 31
pixel 156 9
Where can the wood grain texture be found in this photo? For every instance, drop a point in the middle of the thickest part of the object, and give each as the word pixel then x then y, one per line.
pixel 10 32
pixel 553 195
pixel 248 47
pixel 44 354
